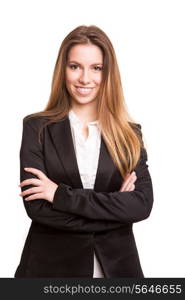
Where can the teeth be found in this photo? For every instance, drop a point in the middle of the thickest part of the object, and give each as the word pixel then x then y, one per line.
pixel 84 90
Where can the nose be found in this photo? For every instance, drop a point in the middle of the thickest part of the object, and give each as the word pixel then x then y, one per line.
pixel 84 77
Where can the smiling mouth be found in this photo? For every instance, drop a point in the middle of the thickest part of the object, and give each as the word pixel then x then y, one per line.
pixel 84 90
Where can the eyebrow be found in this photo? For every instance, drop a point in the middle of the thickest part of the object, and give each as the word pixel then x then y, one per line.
pixel 73 61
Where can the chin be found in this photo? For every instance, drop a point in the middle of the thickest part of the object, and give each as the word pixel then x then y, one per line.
pixel 83 99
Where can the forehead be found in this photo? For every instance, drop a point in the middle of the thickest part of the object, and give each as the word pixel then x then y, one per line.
pixel 86 54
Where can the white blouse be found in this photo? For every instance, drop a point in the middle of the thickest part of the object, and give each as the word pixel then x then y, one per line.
pixel 87 154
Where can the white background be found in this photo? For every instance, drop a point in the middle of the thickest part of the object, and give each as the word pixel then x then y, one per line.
pixel 148 37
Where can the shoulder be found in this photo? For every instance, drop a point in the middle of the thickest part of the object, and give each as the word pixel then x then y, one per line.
pixel 35 122
pixel 136 127
pixel 32 129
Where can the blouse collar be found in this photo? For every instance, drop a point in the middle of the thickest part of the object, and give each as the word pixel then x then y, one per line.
pixel 76 121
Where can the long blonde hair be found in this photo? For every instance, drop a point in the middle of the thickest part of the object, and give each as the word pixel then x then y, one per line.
pixel 120 133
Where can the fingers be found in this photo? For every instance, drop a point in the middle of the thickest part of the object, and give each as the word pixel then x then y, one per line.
pixel 31 191
pixel 36 172
pixel 127 181
pixel 130 181
pixel 32 181
pixel 128 184
pixel 130 187
pixel 35 196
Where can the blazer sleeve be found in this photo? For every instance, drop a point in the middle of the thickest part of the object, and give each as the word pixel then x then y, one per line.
pixel 40 210
pixel 124 207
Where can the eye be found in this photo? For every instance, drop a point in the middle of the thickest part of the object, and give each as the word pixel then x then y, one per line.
pixel 73 66
pixel 97 68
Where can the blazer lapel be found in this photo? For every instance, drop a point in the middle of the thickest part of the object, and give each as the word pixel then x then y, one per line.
pixel 62 139
pixel 106 169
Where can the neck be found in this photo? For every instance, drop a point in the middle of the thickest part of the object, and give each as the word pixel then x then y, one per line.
pixel 86 113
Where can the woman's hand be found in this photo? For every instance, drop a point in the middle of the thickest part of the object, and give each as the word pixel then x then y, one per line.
pixel 128 185
pixel 44 187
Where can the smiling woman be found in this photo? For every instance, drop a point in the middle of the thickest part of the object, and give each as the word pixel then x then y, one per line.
pixel 83 165
pixel 83 74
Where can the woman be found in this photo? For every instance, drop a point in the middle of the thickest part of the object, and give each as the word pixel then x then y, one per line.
pixel 84 177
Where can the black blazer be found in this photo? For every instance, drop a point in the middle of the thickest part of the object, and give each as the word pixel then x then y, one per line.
pixel 64 234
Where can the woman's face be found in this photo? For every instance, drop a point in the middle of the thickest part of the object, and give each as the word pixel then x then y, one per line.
pixel 84 73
